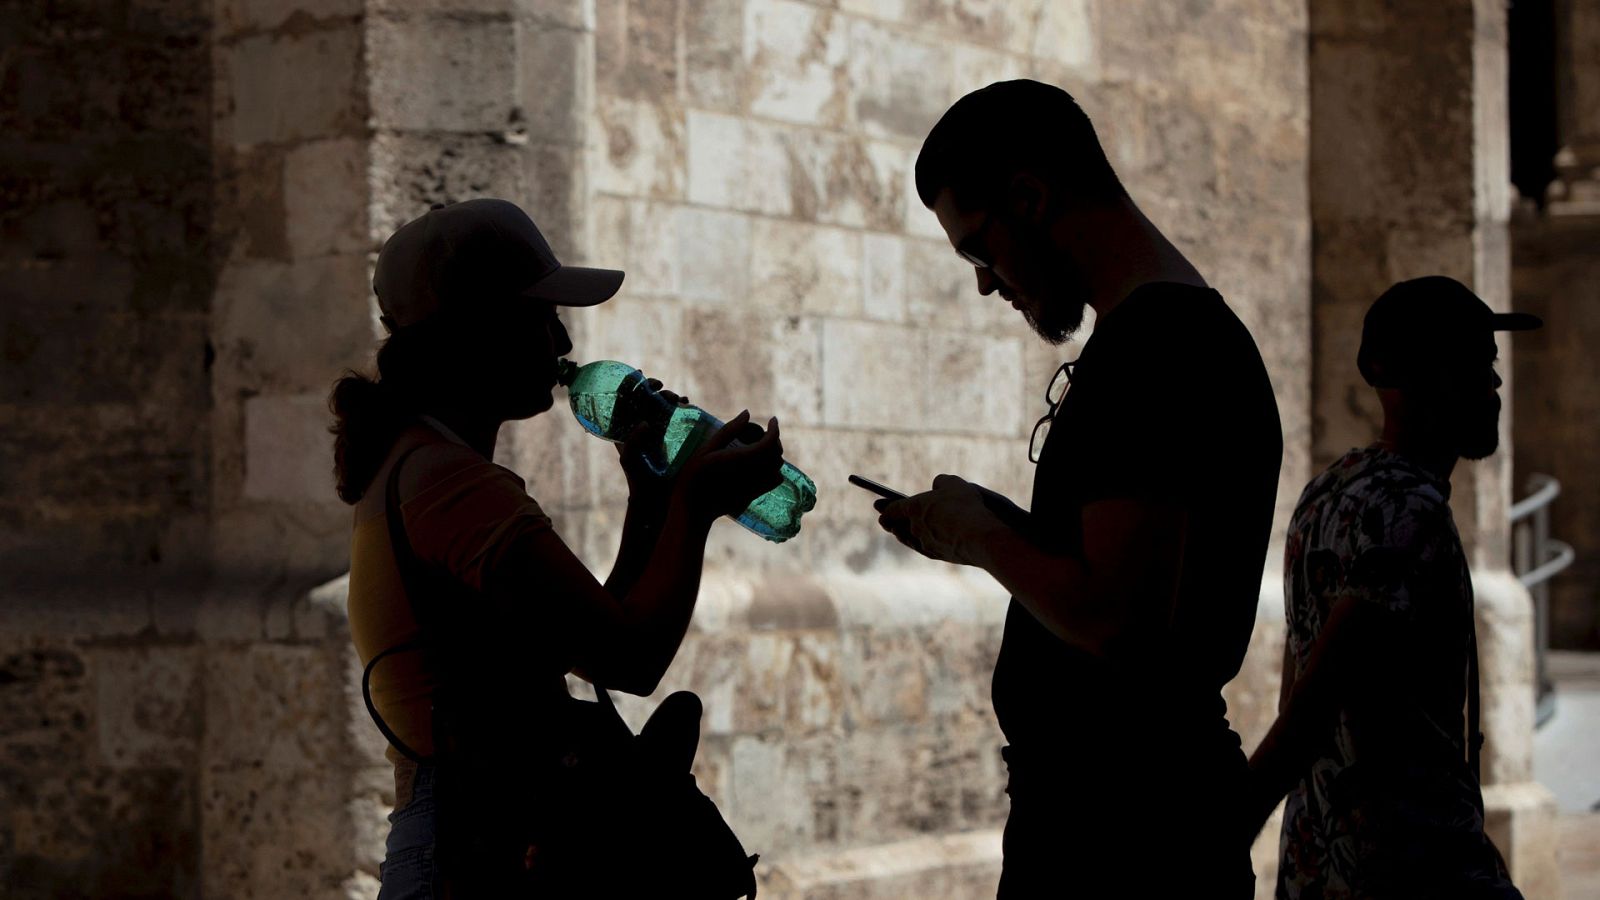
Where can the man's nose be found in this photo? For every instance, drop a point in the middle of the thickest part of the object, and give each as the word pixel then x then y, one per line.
pixel 986 281
pixel 1498 381
pixel 560 340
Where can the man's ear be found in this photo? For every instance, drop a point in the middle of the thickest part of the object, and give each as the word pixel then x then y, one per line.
pixel 1028 197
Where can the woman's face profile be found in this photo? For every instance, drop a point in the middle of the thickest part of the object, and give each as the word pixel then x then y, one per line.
pixel 521 346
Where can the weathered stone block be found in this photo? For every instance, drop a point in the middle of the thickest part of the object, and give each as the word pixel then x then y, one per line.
pixel 267 833
pixel 805 269
pixel 325 198
pixel 294 86
pixel 267 15
pixel 988 22
pixel 639 149
pixel 47 705
pixel 555 81
pixel 638 237
pixel 148 709
pixel 290 326
pixel 898 86
pixel 980 381
pixel 1062 32
pixel 771 801
pixel 287 448
pixel 795 57
pixel 636 48
pixel 713 47
pixel 714 255
pixel 412 172
pixel 887 10
pixel 844 180
pixel 874 377
pixel 739 164
pixel 273 708
pixel 883 276
pixel 473 74
pixel 884 678
pixel 974 67
pixel 55 832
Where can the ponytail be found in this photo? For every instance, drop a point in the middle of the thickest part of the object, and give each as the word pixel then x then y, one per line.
pixel 368 415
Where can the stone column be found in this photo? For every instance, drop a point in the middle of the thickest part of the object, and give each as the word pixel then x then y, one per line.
pixel 1557 276
pixel 1410 176
pixel 1577 188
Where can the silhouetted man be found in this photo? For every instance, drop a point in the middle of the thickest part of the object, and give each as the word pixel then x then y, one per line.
pixel 1381 658
pixel 1135 576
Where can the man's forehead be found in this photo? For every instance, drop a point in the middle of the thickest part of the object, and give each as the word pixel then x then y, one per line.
pixel 951 217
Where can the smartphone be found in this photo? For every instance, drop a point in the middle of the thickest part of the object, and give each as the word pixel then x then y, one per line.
pixel 876 488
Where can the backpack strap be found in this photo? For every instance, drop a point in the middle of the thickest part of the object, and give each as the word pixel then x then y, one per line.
pixel 406 560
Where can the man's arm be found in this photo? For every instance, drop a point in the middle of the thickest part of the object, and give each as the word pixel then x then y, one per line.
pixel 1354 661
pixel 1123 585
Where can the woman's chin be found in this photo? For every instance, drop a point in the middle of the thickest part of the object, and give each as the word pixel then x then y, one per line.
pixel 533 407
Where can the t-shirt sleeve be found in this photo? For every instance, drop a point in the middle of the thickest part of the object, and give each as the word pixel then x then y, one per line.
pixel 1401 542
pixel 1151 436
pixel 466 522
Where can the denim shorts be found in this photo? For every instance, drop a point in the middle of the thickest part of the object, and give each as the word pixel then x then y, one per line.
pixel 409 871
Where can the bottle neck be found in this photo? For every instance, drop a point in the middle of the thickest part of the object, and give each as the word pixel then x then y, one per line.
pixel 566 372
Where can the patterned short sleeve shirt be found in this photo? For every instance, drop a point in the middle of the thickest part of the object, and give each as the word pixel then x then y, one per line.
pixel 1390 807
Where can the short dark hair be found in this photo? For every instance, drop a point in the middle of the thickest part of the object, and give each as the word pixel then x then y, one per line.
pixel 971 151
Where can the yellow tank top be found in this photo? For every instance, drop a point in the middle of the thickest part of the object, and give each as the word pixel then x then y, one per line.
pixel 463 523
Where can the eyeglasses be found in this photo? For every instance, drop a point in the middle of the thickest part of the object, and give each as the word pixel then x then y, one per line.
pixel 1053 395
pixel 966 248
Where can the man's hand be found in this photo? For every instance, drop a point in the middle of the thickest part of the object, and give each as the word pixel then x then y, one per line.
pixel 946 523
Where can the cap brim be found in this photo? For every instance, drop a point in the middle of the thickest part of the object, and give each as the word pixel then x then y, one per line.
pixel 575 286
pixel 1516 321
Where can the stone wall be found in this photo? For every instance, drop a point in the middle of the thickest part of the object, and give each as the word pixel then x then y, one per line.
pixel 749 163
pixel 105 286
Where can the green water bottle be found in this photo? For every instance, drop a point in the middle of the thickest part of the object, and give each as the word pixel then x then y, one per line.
pixel 610 399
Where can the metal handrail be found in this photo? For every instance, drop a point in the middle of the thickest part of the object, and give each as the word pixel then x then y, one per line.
pixel 1538 558
pixel 1545 489
pixel 1564 556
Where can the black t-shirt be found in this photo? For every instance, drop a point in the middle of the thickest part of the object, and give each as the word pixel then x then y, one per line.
pixel 1169 402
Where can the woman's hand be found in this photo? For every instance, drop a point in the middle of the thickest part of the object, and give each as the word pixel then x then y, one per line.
pixel 646 489
pixel 721 479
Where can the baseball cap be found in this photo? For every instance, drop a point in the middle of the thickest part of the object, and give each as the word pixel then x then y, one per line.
pixel 1425 320
pixel 474 251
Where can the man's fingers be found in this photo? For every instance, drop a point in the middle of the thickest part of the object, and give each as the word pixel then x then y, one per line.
pixel 942 480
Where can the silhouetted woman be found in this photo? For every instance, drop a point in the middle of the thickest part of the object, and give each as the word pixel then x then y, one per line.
pixel 499 610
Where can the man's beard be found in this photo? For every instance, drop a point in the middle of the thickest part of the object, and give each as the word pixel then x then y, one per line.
pixel 1056 321
pixel 1480 445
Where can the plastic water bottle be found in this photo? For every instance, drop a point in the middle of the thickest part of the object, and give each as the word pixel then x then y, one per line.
pixel 610 399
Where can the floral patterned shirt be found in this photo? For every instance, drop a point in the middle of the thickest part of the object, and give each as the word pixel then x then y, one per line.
pixel 1391 806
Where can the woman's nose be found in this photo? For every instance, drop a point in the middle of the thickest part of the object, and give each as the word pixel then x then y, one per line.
pixel 560 341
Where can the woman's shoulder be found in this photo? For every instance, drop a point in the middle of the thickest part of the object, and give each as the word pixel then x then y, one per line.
pixel 433 463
